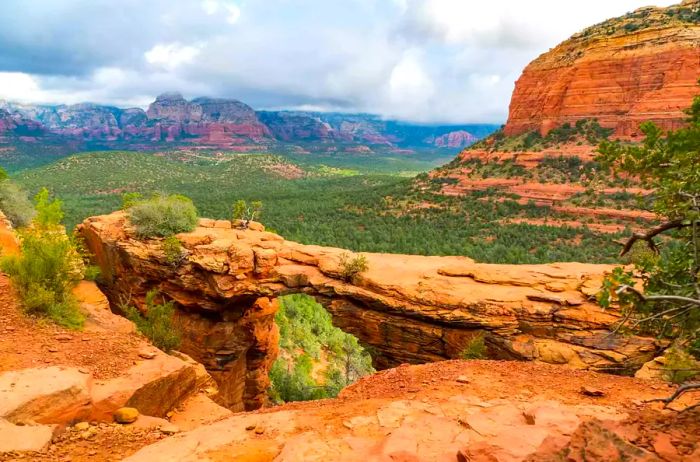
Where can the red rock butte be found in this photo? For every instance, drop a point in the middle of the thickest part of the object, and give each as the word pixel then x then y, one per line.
pixel 409 309
pixel 639 67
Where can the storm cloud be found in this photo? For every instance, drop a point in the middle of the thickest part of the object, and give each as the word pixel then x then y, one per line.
pixel 417 60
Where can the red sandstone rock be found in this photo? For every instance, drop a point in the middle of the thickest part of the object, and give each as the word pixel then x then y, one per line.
pixel 409 308
pixel 612 73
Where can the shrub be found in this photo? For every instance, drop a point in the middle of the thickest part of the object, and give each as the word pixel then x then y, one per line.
pixel 49 213
pixel 130 199
pixel 475 348
pixel 173 250
pixel 15 204
pixel 157 323
pixel 351 266
pixel 680 366
pixel 44 274
pixel 162 216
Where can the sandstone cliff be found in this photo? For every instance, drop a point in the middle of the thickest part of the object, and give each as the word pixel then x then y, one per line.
pixel 642 66
pixel 407 308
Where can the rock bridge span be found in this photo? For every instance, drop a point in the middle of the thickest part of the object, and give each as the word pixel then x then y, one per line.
pixel 409 309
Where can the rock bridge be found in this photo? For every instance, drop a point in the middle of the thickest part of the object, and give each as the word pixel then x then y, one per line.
pixel 408 309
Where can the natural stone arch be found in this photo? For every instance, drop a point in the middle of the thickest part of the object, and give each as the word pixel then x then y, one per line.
pixel 407 308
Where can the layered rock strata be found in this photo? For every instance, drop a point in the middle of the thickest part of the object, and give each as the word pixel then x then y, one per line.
pixel 411 309
pixel 642 66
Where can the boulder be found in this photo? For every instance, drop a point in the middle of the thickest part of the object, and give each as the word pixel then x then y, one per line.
pixel 126 415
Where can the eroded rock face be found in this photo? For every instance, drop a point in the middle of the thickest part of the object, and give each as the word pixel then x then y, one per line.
pixel 627 70
pixel 410 309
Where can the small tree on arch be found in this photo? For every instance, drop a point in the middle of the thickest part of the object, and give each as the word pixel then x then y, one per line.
pixel 246 212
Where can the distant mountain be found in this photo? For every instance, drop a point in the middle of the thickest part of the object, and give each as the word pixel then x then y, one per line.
pixel 222 123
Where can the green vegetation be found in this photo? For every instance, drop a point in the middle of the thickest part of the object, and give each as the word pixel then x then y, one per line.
pixel 645 18
pixel 317 360
pixel 242 211
pixel 15 203
pixel 352 265
pixel 363 213
pixel 669 268
pixel 680 366
pixel 162 216
pixel 173 250
pixel 156 323
pixel 48 267
pixel 475 348
pixel 583 131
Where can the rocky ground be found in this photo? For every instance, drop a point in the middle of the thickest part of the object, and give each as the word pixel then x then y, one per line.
pixel 452 410
pixel 483 410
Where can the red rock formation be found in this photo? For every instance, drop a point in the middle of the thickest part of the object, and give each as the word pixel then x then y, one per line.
pixel 212 121
pixel 456 139
pixel 643 66
pixel 408 308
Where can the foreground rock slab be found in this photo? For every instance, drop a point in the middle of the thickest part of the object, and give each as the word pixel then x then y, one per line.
pixel 422 414
pixel 44 395
pixel 16 438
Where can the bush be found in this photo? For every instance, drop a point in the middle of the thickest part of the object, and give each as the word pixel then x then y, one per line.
pixel 173 250
pixel 15 204
pixel 162 216
pixel 475 348
pixel 352 266
pixel 49 213
pixel 156 323
pixel 130 199
pixel 680 366
pixel 44 274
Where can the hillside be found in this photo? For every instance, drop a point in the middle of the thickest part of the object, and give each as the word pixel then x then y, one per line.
pixel 599 85
pixel 365 207
pixel 624 71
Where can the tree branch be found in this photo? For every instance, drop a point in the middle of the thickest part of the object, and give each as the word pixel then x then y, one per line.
pixel 657 298
pixel 649 236
pixel 679 391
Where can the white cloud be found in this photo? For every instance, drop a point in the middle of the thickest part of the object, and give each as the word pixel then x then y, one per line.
pixel 18 86
pixel 423 60
pixel 210 7
pixel 408 82
pixel 171 55
pixel 231 11
pixel 234 13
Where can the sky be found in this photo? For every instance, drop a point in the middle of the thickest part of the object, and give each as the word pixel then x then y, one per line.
pixel 426 61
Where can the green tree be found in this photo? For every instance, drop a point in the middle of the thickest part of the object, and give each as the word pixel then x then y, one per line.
pixel 49 213
pixel 245 212
pixel 669 268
